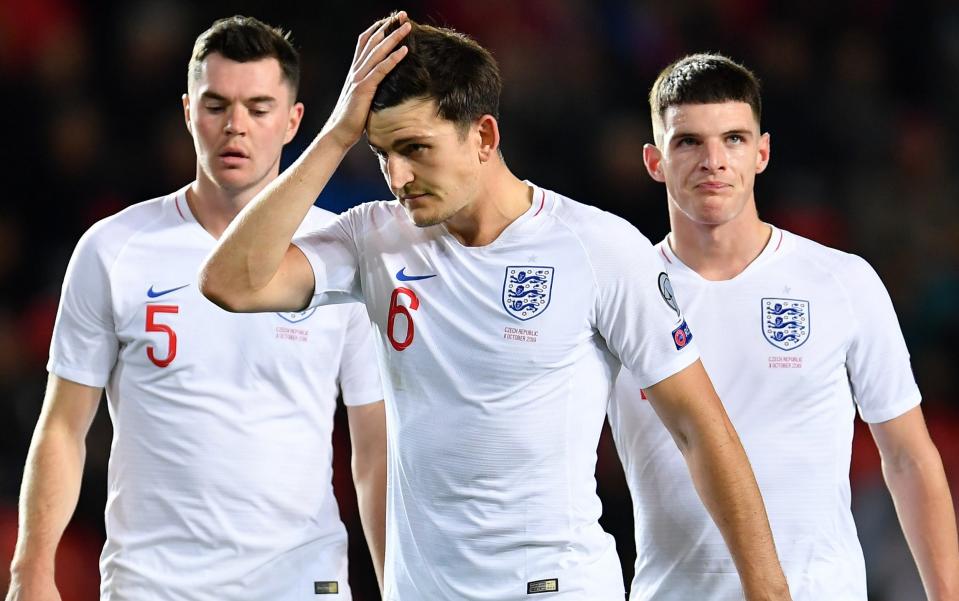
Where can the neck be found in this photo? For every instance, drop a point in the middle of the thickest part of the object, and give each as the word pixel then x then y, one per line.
pixel 214 206
pixel 718 252
pixel 501 199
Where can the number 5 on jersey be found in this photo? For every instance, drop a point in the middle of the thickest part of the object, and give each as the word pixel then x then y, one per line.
pixel 396 310
pixel 153 326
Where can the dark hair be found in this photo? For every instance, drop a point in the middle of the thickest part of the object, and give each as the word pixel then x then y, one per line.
pixel 446 66
pixel 243 39
pixel 704 79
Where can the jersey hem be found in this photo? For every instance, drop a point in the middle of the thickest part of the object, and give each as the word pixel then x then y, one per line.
pixel 674 367
pixel 78 376
pixel 876 417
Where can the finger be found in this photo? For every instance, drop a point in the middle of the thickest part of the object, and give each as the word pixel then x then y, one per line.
pixel 379 34
pixel 364 37
pixel 382 50
pixel 381 70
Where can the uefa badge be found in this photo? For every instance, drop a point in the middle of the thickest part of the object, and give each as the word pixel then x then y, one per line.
pixel 526 290
pixel 785 322
pixel 298 316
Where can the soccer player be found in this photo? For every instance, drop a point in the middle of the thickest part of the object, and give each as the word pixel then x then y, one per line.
pixel 796 336
pixel 503 310
pixel 220 469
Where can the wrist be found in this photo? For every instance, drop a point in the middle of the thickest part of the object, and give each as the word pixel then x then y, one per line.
pixel 25 569
pixel 335 140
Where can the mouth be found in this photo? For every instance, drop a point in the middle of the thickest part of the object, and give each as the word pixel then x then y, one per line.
pixel 712 186
pixel 407 198
pixel 233 157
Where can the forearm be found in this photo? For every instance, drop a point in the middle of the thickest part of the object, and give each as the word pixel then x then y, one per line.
pixel 252 248
pixel 688 406
pixel 924 505
pixel 369 477
pixel 725 482
pixel 48 498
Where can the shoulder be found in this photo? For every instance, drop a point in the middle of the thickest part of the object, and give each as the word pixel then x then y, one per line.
pixel 316 218
pixel 384 216
pixel 364 212
pixel 376 209
pixel 839 264
pixel 112 233
pixel 596 229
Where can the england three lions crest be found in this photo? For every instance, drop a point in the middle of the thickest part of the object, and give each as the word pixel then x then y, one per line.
pixel 526 290
pixel 785 322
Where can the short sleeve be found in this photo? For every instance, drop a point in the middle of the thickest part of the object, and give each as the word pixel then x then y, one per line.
pixel 332 252
pixel 636 311
pixel 359 376
pixel 881 377
pixel 85 346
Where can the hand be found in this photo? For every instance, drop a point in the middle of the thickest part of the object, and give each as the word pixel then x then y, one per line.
pixel 32 589
pixel 373 59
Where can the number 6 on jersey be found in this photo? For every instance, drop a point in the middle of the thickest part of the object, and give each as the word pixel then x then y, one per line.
pixel 397 309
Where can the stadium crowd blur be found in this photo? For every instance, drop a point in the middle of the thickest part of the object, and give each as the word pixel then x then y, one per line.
pixel 860 98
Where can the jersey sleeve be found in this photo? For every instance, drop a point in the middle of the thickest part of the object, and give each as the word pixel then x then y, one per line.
pixel 333 254
pixel 359 376
pixel 877 361
pixel 636 311
pixel 85 345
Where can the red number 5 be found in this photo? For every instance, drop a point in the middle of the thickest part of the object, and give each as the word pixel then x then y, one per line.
pixel 397 309
pixel 152 326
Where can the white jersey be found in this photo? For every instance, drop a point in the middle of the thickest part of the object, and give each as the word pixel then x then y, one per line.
pixel 220 470
pixel 793 344
pixel 497 363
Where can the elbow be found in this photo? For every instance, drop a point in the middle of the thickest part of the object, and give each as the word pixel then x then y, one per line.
pixel 220 294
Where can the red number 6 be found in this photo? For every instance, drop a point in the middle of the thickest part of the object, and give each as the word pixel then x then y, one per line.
pixel 397 309
pixel 152 326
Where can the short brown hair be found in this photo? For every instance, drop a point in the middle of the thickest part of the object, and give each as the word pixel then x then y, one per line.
pixel 703 79
pixel 446 66
pixel 243 39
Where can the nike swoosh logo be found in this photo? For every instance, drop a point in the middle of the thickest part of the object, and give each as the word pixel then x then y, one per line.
pixel 401 276
pixel 155 293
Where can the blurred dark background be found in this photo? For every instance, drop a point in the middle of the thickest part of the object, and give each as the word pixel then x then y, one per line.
pixel 860 96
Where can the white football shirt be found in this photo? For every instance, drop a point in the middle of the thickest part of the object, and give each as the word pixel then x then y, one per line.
pixel 793 344
pixel 497 364
pixel 220 469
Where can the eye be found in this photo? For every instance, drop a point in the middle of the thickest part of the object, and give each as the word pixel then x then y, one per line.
pixel 687 141
pixel 214 108
pixel 735 139
pixel 258 112
pixel 410 149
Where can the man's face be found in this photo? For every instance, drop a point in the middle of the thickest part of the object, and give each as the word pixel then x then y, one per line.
pixel 240 116
pixel 708 156
pixel 431 165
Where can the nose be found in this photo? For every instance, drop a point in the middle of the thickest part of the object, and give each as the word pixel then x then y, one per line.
pixel 237 120
pixel 714 156
pixel 398 172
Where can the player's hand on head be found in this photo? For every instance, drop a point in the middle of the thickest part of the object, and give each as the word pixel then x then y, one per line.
pixel 376 54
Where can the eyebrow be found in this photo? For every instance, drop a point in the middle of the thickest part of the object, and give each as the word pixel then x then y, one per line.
pixel 255 99
pixel 401 142
pixel 681 134
pixel 689 134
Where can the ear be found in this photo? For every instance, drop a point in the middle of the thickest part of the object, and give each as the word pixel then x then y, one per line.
pixel 186 112
pixel 653 159
pixel 488 130
pixel 762 153
pixel 293 125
